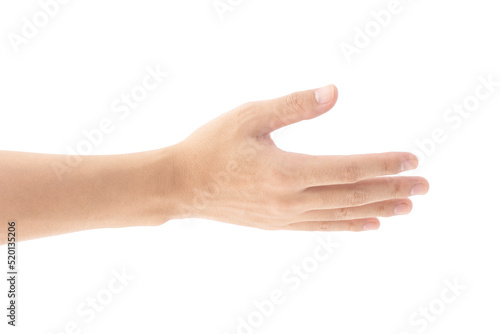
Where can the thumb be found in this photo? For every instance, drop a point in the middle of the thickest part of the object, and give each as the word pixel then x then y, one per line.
pixel 295 107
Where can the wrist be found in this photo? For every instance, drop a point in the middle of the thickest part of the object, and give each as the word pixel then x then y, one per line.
pixel 142 186
pixel 165 184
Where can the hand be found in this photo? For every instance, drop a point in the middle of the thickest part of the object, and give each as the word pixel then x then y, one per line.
pixel 230 170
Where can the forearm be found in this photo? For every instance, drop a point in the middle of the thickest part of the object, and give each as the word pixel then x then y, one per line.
pixel 99 192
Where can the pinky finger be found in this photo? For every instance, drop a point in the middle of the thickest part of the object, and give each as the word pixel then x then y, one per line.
pixel 355 225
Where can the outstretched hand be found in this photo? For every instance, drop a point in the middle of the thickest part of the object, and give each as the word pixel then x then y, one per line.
pixel 230 170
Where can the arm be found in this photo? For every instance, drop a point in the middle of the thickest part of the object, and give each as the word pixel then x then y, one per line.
pixel 228 170
pixel 50 194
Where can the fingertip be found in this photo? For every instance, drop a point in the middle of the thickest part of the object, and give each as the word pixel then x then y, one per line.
pixel 410 162
pixel 412 156
pixel 327 95
pixel 420 188
pixel 403 208
pixel 296 107
pixel 372 225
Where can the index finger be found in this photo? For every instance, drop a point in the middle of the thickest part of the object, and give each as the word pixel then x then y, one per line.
pixel 311 171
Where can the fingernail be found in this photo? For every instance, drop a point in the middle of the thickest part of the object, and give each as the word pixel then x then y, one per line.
pixel 324 95
pixel 402 209
pixel 409 165
pixel 370 226
pixel 418 189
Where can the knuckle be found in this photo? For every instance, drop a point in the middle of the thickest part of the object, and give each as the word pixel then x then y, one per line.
pixel 356 197
pixel 381 210
pixel 387 167
pixel 351 173
pixel 323 226
pixel 295 101
pixel 245 111
pixel 341 214
pixel 350 227
pixel 293 105
pixel 392 163
pixel 244 116
pixel 397 189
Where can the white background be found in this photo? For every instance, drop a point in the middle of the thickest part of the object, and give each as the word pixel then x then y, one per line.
pixel 197 276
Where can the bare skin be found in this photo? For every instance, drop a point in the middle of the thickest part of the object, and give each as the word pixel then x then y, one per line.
pixel 228 170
